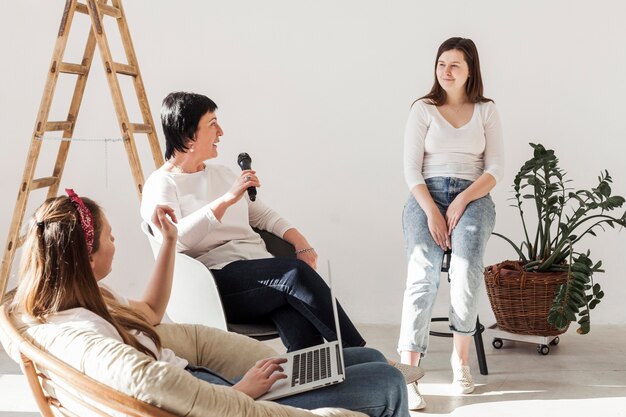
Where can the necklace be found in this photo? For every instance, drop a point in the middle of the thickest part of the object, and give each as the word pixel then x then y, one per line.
pixel 180 170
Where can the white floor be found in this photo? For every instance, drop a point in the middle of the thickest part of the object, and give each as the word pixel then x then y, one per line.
pixel 582 376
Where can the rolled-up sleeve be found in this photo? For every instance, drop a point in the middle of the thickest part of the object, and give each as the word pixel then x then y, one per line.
pixel 263 217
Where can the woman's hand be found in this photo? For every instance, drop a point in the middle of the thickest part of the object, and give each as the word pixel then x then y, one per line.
pixel 439 230
pixel 159 286
pixel 246 179
pixel 454 212
pixel 436 223
pixel 260 378
pixel 166 226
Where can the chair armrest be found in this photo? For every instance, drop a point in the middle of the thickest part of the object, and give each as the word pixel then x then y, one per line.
pixel 275 245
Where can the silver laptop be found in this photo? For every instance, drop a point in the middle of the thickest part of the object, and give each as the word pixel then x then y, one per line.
pixel 314 367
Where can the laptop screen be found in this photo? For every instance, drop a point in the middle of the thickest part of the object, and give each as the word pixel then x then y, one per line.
pixel 335 313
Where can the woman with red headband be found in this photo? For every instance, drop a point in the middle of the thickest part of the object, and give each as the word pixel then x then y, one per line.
pixel 69 248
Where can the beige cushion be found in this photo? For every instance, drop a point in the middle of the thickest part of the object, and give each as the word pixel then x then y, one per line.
pixel 127 370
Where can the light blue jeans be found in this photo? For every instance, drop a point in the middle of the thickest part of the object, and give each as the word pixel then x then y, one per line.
pixel 372 386
pixel 469 239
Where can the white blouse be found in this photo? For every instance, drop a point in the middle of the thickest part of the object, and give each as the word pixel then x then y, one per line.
pixel 434 148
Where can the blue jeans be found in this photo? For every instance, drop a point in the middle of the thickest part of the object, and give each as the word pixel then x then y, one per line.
pixel 290 293
pixel 469 240
pixel 372 386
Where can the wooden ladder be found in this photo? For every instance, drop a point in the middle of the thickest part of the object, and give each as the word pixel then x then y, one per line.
pixel 97 10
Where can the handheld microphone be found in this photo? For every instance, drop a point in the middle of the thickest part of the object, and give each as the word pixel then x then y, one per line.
pixel 245 162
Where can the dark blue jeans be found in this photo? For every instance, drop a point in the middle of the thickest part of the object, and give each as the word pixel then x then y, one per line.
pixel 372 386
pixel 290 293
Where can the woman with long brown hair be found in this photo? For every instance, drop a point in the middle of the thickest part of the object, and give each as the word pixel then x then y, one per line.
pixel 453 157
pixel 69 248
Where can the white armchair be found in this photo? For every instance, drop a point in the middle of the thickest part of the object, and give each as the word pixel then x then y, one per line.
pixel 195 298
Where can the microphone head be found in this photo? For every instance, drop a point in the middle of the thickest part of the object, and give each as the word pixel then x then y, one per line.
pixel 244 161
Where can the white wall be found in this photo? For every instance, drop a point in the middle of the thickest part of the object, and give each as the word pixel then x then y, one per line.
pixel 318 93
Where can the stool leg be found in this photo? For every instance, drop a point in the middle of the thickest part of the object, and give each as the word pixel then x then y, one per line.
pixel 480 348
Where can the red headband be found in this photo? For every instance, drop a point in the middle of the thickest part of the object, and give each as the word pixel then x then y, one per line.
pixel 86 219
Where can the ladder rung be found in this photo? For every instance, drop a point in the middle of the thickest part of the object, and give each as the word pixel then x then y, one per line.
pixel 140 128
pixel 68 68
pixel 110 11
pixel 56 126
pixel 124 69
pixel 82 8
pixel 43 182
pixel 104 8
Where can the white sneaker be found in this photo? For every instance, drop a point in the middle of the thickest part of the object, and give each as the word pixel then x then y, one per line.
pixel 416 401
pixel 409 372
pixel 462 382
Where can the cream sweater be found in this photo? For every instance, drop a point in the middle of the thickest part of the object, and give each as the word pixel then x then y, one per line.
pixel 200 235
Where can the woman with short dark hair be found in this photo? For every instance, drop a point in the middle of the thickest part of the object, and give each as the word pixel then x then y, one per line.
pixel 216 218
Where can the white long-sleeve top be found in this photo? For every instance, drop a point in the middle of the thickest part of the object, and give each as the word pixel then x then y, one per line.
pixel 434 148
pixel 213 242
pixel 82 319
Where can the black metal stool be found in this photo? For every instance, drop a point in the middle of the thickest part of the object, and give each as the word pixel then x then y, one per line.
pixel 478 336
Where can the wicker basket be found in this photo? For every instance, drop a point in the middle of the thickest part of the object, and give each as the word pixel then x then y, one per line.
pixel 521 300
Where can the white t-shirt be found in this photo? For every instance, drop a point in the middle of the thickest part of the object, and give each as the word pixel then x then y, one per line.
pixel 434 148
pixel 200 235
pixel 83 319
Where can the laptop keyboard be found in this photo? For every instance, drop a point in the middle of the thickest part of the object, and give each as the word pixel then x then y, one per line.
pixel 311 366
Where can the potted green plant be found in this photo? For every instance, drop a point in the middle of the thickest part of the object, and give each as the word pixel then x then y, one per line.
pixel 552 284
